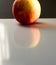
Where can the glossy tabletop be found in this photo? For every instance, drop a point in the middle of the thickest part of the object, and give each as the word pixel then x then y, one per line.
pixel 28 45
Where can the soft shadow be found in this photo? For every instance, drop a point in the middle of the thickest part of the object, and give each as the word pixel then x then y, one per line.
pixel 40 25
pixel 26 37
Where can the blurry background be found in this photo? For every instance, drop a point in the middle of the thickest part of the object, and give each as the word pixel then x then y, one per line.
pixel 48 8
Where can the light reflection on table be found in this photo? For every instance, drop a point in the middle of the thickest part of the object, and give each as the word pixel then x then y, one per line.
pixel 4 44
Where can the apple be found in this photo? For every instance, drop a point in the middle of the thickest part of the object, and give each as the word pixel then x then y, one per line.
pixel 26 11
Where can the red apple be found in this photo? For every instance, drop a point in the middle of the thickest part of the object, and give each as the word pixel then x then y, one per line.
pixel 26 11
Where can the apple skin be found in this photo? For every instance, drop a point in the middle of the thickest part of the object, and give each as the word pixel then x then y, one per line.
pixel 26 11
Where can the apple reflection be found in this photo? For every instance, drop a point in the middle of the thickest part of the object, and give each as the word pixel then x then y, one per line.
pixel 26 36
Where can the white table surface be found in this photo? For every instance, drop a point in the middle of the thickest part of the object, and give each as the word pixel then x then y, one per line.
pixel 32 45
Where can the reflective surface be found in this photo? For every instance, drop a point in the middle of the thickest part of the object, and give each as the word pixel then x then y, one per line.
pixel 28 45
